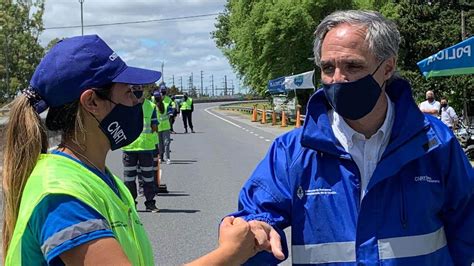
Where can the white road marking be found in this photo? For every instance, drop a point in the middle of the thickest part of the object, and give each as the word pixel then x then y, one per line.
pixel 223 119
pixel 234 124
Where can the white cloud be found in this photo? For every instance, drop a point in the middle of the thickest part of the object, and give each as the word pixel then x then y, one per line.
pixel 184 46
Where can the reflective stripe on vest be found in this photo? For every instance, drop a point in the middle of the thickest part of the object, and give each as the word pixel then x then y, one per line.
pixel 147 139
pixel 389 248
pixel 47 178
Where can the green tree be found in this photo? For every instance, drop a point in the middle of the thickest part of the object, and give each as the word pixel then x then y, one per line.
pixel 426 29
pixel 264 40
pixel 20 26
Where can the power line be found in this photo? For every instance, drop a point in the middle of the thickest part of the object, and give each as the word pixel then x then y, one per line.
pixel 134 22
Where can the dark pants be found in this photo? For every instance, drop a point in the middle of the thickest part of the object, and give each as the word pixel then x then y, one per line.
pixel 187 119
pixel 140 165
pixel 172 118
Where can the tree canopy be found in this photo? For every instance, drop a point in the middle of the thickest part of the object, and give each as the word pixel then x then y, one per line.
pixel 264 40
pixel 21 24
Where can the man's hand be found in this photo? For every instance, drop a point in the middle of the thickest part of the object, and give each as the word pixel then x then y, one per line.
pixel 266 238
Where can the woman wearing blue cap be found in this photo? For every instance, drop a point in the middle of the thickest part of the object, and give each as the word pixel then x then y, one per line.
pixel 65 207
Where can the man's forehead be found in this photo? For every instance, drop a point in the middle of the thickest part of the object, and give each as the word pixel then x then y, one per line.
pixel 345 41
pixel 344 59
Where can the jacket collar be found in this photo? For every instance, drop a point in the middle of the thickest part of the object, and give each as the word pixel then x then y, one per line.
pixel 318 135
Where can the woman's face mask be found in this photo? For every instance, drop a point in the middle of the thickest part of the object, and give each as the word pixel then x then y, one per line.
pixel 123 124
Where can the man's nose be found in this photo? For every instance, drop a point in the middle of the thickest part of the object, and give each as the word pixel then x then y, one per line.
pixel 338 76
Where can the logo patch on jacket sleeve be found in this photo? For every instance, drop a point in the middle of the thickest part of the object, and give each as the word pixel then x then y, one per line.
pixel 425 178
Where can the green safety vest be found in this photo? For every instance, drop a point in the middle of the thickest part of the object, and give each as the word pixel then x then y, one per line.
pixel 186 105
pixel 56 174
pixel 167 100
pixel 147 139
pixel 163 118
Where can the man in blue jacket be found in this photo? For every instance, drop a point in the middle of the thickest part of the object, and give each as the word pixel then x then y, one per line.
pixel 369 179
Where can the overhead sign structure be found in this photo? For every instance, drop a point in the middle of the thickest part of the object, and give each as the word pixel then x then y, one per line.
pixel 455 60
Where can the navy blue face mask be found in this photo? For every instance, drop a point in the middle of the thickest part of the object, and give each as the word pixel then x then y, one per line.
pixel 123 125
pixel 354 100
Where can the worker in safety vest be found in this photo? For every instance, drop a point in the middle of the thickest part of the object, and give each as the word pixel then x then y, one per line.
pixel 64 206
pixel 138 156
pixel 187 108
pixel 171 105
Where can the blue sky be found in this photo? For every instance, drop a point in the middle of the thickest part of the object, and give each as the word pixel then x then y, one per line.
pixel 184 46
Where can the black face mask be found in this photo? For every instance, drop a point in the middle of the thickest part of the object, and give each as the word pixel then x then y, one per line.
pixel 444 105
pixel 138 94
pixel 354 100
pixel 430 99
pixel 123 125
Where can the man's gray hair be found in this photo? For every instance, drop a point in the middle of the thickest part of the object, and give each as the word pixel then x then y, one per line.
pixel 382 36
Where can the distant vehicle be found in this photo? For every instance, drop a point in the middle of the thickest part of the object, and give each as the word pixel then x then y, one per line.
pixel 178 98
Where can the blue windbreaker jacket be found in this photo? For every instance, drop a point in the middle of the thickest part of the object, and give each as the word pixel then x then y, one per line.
pixel 418 209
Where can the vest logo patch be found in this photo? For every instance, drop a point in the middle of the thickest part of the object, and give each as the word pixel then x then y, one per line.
pixel 427 179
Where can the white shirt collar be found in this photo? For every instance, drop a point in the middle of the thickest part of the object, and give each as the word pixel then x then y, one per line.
pixel 345 134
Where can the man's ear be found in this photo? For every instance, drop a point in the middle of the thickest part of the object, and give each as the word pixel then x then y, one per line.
pixel 390 67
pixel 89 100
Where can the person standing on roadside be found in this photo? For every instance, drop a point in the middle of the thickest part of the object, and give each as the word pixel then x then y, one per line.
pixel 447 114
pixel 138 161
pixel 431 106
pixel 65 207
pixel 164 128
pixel 187 108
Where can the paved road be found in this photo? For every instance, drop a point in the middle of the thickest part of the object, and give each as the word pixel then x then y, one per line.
pixel 207 171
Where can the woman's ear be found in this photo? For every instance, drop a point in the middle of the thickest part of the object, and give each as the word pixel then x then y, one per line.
pixel 89 100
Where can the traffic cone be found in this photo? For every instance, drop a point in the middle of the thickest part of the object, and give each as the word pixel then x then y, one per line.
pixel 264 116
pixel 283 119
pixel 298 116
pixel 274 118
pixel 254 114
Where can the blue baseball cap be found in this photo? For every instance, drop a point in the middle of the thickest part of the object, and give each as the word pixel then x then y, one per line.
pixel 76 64
pixel 157 93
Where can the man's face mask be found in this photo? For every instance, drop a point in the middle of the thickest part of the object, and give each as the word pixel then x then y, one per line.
pixel 354 100
pixel 430 98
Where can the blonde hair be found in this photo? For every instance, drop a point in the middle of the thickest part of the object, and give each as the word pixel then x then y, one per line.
pixel 25 138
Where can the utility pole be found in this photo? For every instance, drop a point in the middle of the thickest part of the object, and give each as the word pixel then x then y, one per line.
pixel 162 71
pixel 173 80
pixel 82 17
pixel 225 85
pixel 202 88
pixel 192 81
pixel 212 82
pixel 181 81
